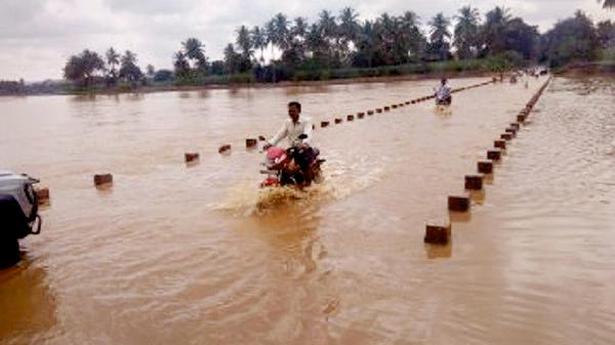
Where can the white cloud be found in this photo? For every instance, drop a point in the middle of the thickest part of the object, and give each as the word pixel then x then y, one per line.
pixel 37 36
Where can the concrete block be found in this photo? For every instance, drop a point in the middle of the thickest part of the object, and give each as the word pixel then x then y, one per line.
pixel 224 148
pixel 338 121
pixel 324 124
pixel 101 179
pixel 350 117
pixel 474 182
pixel 438 233
pixel 459 203
pixel 500 144
pixel 42 194
pixel 191 156
pixel 485 167
pixel 250 142
pixel 506 136
pixel 494 155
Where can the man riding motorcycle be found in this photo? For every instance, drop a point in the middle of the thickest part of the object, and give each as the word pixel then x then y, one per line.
pixel 298 131
pixel 443 94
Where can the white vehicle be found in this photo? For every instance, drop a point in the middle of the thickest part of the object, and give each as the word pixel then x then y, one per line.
pixel 18 214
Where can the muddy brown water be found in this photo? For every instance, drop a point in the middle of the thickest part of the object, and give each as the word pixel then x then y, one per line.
pixel 198 255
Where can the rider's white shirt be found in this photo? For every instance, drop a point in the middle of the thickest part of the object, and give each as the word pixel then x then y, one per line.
pixel 443 91
pixel 292 131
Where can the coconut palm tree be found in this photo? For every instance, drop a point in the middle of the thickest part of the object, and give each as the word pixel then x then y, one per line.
pixel 299 29
pixel 129 69
pixel 494 30
pixel 82 68
pixel 113 59
pixel 194 50
pixel 243 41
pixel 412 42
pixel 348 30
pixel 439 36
pixel 466 32
pixel 181 65
pixel 231 59
pixel 327 26
pixel 282 33
pixel 259 40
pixel 297 38
pixel 277 35
pixel 388 35
pixel 316 43
pixel 366 45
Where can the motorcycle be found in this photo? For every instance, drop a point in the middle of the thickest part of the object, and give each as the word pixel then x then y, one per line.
pixel 446 101
pixel 296 166
pixel 18 214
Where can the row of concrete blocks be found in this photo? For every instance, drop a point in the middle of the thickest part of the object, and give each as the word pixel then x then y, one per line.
pixel 440 233
pixel 251 142
pixel 106 179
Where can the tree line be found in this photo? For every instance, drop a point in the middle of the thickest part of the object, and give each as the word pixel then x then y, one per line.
pixel 300 49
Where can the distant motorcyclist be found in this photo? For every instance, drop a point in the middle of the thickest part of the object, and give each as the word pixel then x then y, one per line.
pixel 443 93
pixel 298 131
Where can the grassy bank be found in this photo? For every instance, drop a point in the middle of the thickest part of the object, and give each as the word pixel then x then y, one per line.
pixel 290 77
pixel 433 69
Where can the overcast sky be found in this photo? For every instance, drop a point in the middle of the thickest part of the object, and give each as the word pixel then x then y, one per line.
pixel 37 36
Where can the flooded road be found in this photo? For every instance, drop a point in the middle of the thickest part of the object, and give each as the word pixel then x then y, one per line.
pixel 194 255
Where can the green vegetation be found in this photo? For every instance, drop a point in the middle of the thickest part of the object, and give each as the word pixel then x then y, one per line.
pixel 340 46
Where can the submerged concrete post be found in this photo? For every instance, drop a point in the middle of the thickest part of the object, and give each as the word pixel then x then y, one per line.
pixel 474 182
pixel 338 121
pixel 361 115
pixel 494 155
pixel 261 138
pixel 437 233
pixel 350 117
pixel 506 136
pixel 500 144
pixel 515 126
pixel 191 156
pixel 224 148
pixel 101 179
pixel 251 142
pixel 379 110
pixel 459 203
pixel 42 194
pixel 370 112
pixel 324 124
pixel 387 108
pixel 485 167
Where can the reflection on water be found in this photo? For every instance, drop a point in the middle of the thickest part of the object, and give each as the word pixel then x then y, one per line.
pixel 199 254
pixel 27 304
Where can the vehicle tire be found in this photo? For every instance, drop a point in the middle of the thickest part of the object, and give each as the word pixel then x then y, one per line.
pixel 9 251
